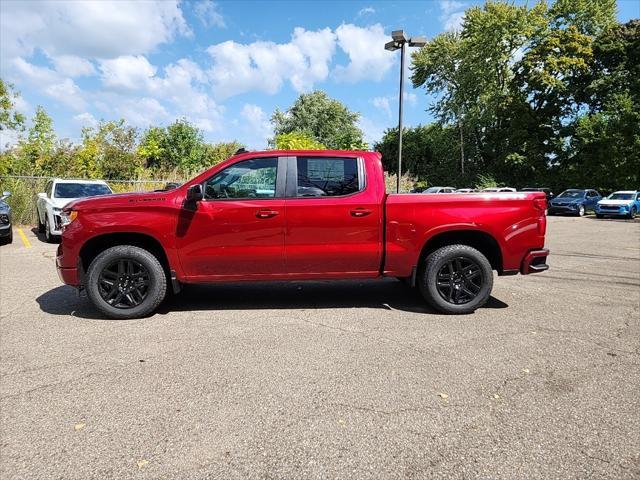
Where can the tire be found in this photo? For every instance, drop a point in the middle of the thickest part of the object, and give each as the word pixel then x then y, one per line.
pixel 126 300
pixel 8 239
pixel 40 224
pixel 582 211
pixel 47 230
pixel 441 263
pixel 633 212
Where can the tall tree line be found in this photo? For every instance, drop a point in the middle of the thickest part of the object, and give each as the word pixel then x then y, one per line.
pixel 545 95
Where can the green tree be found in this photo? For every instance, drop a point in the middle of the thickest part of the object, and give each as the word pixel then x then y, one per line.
pixel 36 151
pixel 471 72
pixel 219 152
pixel 321 118
pixel 604 148
pixel 428 153
pixel 179 146
pixel 108 150
pixel 10 119
pixel 297 141
pixel 151 147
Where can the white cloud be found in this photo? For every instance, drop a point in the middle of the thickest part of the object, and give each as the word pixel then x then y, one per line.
pixel 8 138
pixel 127 72
pixel 410 98
pixel 85 119
pixel 180 87
pixel 451 14
pixel 93 29
pixel 67 93
pixel 372 131
pixel 207 12
pixel 73 66
pixel 383 104
pixel 366 10
pixel 143 112
pixel 239 68
pixel 368 60
pixel 51 83
pixel 256 125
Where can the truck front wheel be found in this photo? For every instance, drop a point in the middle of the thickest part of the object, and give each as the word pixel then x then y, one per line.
pixel 126 282
pixel 456 279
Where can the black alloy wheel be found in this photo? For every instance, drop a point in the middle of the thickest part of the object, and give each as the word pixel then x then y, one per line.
pixel 455 279
pixel 124 283
pixel 459 281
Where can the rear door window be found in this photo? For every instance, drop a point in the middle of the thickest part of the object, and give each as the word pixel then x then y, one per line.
pixel 328 177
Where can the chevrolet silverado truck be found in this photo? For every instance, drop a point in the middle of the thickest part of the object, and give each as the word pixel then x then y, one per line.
pixel 297 215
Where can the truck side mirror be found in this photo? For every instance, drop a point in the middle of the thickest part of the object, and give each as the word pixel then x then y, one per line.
pixel 42 195
pixel 5 195
pixel 194 194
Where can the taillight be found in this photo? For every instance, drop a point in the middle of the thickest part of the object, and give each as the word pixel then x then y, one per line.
pixel 540 203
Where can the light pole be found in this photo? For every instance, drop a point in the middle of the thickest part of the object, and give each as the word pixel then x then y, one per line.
pixel 399 42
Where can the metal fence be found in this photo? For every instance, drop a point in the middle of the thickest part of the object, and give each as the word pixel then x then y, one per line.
pixel 24 190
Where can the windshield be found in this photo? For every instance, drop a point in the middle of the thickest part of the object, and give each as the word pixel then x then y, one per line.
pixel 78 190
pixel 620 196
pixel 572 194
pixel 432 190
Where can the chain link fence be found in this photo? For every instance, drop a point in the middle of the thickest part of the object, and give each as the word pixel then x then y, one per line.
pixel 24 192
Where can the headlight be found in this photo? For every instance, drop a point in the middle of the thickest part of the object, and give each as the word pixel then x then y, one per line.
pixel 68 216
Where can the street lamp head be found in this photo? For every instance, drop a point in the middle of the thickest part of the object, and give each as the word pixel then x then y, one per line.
pixel 398 36
pixel 417 42
pixel 392 46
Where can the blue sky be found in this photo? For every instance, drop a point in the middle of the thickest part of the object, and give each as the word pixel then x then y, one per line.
pixel 223 65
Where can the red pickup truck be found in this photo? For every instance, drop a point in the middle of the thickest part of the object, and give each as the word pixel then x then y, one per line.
pixel 297 215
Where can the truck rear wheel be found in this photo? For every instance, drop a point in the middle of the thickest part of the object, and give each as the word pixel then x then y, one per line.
pixel 456 279
pixel 126 282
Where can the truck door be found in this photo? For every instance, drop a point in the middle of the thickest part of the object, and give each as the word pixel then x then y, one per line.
pixel 237 230
pixel 334 222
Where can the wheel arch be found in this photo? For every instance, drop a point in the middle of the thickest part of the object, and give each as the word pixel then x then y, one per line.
pixel 95 245
pixel 482 241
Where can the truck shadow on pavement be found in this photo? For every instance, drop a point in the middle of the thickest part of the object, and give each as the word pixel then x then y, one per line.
pixel 388 294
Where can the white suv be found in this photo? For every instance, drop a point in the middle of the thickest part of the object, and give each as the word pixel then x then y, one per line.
pixel 57 194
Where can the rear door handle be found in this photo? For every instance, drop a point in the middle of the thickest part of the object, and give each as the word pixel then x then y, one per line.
pixel 266 213
pixel 360 212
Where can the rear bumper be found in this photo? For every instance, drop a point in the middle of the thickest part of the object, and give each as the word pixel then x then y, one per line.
pixel 535 262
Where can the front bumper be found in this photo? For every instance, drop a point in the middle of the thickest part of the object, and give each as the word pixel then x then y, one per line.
pixel 570 208
pixel 56 226
pixel 535 262
pixel 68 275
pixel 5 230
pixel 612 210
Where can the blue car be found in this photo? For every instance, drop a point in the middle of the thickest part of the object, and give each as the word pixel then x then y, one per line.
pixel 625 203
pixel 574 201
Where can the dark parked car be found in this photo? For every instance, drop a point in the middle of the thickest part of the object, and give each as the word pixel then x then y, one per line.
pixel 574 201
pixel 547 191
pixel 6 232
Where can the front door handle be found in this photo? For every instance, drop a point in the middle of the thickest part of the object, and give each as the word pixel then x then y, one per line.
pixel 266 213
pixel 360 212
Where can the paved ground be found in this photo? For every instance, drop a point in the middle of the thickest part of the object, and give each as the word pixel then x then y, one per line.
pixel 321 380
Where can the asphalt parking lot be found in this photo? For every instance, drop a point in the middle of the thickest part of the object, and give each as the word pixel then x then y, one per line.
pixel 330 380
